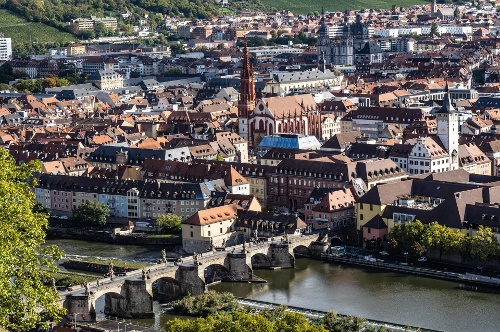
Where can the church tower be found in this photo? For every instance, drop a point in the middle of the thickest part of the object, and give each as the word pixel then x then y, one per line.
pixel 246 102
pixel 434 7
pixel 447 127
pixel 323 44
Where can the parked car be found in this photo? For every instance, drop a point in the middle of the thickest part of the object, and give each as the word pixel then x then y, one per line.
pixel 422 259
pixel 64 217
pixel 384 253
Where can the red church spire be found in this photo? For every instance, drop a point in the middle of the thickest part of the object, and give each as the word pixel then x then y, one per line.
pixel 247 102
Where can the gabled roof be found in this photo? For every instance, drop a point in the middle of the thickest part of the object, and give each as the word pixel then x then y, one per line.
pixel 213 215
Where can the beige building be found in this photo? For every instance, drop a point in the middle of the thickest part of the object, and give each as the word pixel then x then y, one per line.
pixel 88 23
pixel 76 49
pixel 106 79
pixel 212 227
pixel 330 125
pixel 473 160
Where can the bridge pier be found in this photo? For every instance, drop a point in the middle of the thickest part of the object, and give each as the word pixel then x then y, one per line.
pixel 191 279
pixel 280 256
pixel 239 264
pixel 139 299
pixel 79 308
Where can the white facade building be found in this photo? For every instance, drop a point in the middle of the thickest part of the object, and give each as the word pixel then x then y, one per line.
pixel 5 48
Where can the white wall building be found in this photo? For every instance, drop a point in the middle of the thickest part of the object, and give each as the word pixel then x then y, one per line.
pixel 5 48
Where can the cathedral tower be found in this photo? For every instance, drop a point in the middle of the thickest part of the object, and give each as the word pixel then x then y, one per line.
pixel 246 102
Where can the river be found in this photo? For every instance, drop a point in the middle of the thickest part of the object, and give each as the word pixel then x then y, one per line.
pixel 368 293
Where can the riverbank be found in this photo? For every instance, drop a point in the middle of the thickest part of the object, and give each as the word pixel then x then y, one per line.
pixel 106 236
pixel 472 279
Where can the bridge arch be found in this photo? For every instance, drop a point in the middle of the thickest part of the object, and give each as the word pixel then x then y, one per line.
pixel 166 289
pixel 215 272
pixel 260 261
pixel 301 250
pixel 110 303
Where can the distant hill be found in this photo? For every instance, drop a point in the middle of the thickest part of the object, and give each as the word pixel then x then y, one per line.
pixel 309 6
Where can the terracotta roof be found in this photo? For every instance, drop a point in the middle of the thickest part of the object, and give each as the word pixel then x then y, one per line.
pixel 213 215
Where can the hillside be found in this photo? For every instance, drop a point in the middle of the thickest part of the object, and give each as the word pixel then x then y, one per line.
pixel 22 31
pixel 305 7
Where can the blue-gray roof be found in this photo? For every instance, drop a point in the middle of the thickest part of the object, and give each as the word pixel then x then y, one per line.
pixel 290 141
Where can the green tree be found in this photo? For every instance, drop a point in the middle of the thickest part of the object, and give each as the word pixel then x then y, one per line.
pixel 406 236
pixel 334 323
pixel 484 244
pixel 206 304
pixel 91 213
pixel 25 299
pixel 29 86
pixel 169 223
pixel 245 322
pixel 434 29
pixel 218 157
pixel 442 238
pixel 456 13
pixel 177 49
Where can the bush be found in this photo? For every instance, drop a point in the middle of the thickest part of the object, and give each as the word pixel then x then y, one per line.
pixel 206 304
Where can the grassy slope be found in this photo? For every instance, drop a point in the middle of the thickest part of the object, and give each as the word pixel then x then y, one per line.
pixel 21 30
pixel 304 7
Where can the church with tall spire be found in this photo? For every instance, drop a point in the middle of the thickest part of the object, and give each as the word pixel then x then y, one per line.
pixel 298 114
pixel 247 99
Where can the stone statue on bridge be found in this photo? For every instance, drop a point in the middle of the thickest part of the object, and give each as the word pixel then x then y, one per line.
pixel 111 273
pixel 143 274
pixel 53 283
pixel 163 256
pixel 86 286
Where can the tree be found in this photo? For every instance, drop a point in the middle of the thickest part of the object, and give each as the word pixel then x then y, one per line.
pixel 177 49
pixel 25 299
pixel 484 244
pixel 435 29
pixel 404 237
pixel 245 322
pixel 456 13
pixel 440 237
pixel 206 304
pixel 218 157
pixel 91 213
pixel 169 223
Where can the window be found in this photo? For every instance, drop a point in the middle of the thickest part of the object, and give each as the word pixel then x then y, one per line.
pixel 361 206
pixel 208 233
pixel 221 230
pixel 361 217
pixel 369 230
pixel 191 233
pixel 371 207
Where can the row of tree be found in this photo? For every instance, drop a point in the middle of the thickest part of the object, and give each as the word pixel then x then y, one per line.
pixel 416 238
pixel 221 312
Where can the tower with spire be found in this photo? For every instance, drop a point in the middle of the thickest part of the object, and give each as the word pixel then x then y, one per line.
pixel 447 127
pixel 247 99
pixel 434 7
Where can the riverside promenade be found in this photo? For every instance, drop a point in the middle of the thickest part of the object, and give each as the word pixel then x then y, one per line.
pixel 467 278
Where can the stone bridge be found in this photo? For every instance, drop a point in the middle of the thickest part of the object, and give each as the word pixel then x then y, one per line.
pixel 131 296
